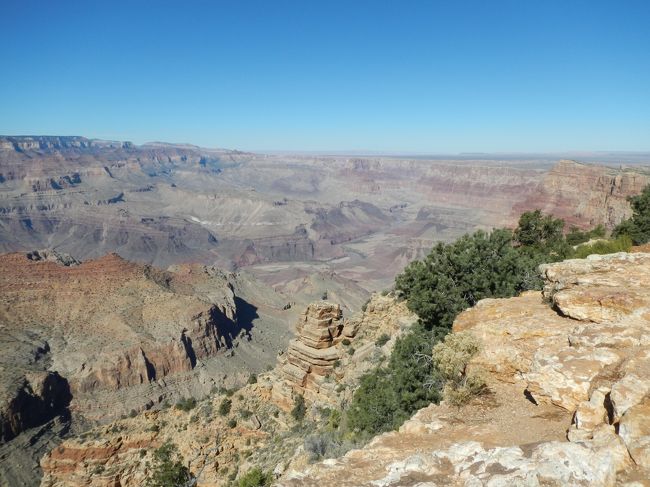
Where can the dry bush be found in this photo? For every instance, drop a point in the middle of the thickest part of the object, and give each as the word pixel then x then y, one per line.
pixel 450 358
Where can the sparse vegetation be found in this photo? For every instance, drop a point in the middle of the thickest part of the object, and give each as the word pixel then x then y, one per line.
pixel 299 409
pixel 225 406
pixel 623 243
pixel 387 396
pixel 450 359
pixel 167 469
pixel 252 379
pixel 326 445
pixel 255 478
pixel 382 340
pixel 576 236
pixel 186 404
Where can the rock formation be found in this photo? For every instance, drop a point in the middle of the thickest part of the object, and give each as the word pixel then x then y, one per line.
pixel 264 434
pixel 92 341
pixel 569 393
pixel 329 354
pixel 312 355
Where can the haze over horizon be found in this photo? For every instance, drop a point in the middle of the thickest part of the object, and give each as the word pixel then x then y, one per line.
pixel 420 78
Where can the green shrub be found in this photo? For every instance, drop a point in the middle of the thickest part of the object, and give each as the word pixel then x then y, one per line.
pixel 245 413
pixel 346 342
pixel 454 277
pixel 256 478
pixel 167 468
pixel 597 232
pixel 252 379
pixel 299 409
pixel 576 237
pixel 387 396
pixel 232 422
pixel 382 340
pixel 225 406
pixel 186 404
pixel 638 226
pixel 622 243
pixel 536 230
pixel 450 359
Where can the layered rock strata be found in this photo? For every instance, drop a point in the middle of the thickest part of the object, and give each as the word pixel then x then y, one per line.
pixel 585 195
pixel 312 356
pixel 569 394
pixel 264 435
pixel 96 328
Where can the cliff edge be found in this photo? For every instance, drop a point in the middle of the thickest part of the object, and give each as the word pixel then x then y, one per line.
pixel 568 401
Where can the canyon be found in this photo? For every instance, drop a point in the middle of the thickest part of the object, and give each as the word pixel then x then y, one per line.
pixel 567 399
pixel 138 276
pixel 88 342
pixel 353 221
pixel 257 429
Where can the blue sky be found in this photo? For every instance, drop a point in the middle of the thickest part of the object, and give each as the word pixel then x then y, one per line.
pixel 384 76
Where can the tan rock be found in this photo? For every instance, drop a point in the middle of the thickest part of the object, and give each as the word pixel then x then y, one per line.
pixel 634 429
pixel 579 351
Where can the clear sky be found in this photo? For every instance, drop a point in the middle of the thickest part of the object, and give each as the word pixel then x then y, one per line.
pixel 386 76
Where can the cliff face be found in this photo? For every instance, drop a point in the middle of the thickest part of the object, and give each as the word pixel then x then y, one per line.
pixel 263 432
pixel 77 336
pixel 569 397
pixel 83 343
pixel 585 195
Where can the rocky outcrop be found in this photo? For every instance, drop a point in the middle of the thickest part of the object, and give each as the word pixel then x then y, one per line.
pixel 99 326
pixel 569 394
pixel 259 430
pixel 83 343
pixel 312 355
pixel 329 354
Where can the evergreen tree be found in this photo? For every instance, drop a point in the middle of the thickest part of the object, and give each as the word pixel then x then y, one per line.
pixel 453 277
pixel 638 226
pixel 167 469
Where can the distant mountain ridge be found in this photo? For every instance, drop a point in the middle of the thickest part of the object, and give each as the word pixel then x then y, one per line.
pixel 363 217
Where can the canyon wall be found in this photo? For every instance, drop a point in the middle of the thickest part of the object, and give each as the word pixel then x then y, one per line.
pixel 585 195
